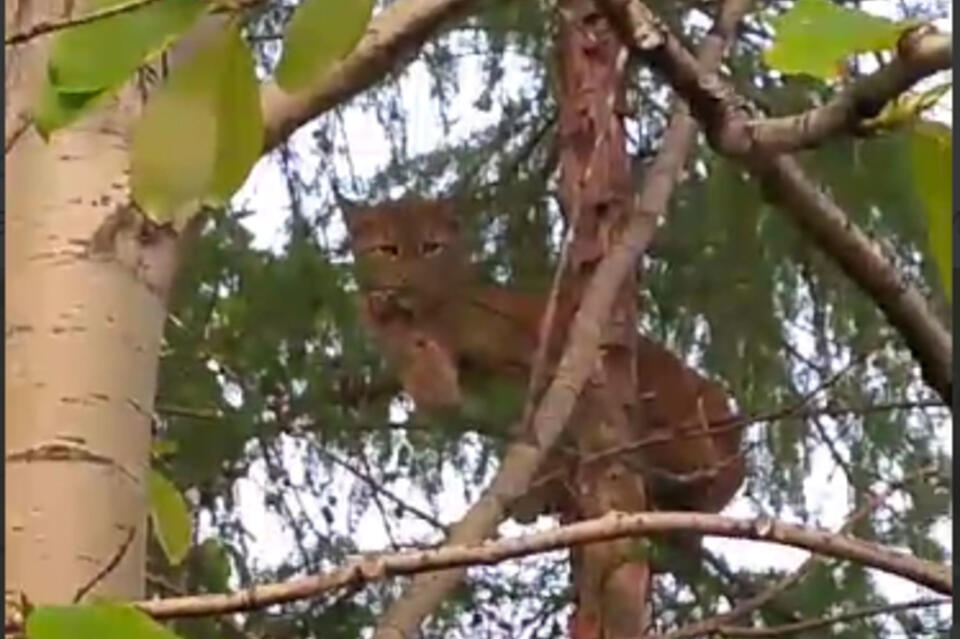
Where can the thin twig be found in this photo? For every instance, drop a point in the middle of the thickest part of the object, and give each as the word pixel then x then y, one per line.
pixel 747 606
pixel 50 26
pixel 20 126
pixel 822 622
pixel 375 485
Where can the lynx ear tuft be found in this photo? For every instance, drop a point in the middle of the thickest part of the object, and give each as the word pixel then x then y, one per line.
pixel 342 200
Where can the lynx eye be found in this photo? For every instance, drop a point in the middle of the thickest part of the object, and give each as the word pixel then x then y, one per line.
pixel 390 250
pixel 430 248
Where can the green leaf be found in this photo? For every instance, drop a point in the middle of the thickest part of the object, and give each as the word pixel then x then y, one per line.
pixel 90 61
pixel 97 621
pixel 907 107
pixel 55 110
pixel 103 53
pixel 815 36
pixel 239 121
pixel 162 448
pixel 216 566
pixel 932 153
pixel 170 517
pixel 200 134
pixel 320 32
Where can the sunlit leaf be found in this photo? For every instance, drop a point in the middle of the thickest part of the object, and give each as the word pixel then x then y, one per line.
pixel 200 134
pixel 907 107
pixel 319 33
pixel 816 35
pixel 162 448
pixel 89 62
pixel 932 153
pixel 170 517
pixel 97 621
pixel 55 110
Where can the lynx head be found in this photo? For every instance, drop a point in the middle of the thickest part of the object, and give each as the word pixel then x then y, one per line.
pixel 410 247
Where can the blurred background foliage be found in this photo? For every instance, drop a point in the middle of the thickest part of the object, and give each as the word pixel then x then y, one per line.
pixel 280 421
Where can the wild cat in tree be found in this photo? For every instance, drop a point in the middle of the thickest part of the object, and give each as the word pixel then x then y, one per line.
pixel 437 321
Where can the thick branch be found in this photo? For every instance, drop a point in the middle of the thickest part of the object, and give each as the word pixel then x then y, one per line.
pixel 921 53
pixel 391 39
pixel 612 526
pixel 724 116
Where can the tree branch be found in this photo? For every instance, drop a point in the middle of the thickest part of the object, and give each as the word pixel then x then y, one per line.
pixel 920 54
pixel 727 119
pixel 823 622
pixel 611 526
pixel 747 606
pixel 391 39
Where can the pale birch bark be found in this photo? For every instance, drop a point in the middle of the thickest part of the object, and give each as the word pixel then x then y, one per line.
pixel 83 331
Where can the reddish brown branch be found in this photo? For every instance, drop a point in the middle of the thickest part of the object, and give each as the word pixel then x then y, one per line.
pixel 727 119
pixel 612 526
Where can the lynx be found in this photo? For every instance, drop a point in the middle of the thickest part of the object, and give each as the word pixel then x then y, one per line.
pixel 436 320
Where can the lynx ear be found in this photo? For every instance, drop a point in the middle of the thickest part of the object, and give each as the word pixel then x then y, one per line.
pixel 346 205
pixel 352 211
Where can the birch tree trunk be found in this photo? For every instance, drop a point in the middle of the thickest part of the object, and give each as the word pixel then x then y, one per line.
pixel 86 288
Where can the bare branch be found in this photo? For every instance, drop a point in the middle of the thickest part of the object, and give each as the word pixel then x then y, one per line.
pixel 921 54
pixel 21 123
pixel 611 526
pixel 377 488
pixel 745 607
pixel 824 622
pixel 863 261
pixel 392 38
pixel 727 119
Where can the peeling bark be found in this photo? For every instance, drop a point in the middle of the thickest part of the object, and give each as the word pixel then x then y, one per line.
pixel 611 589
pixel 523 458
